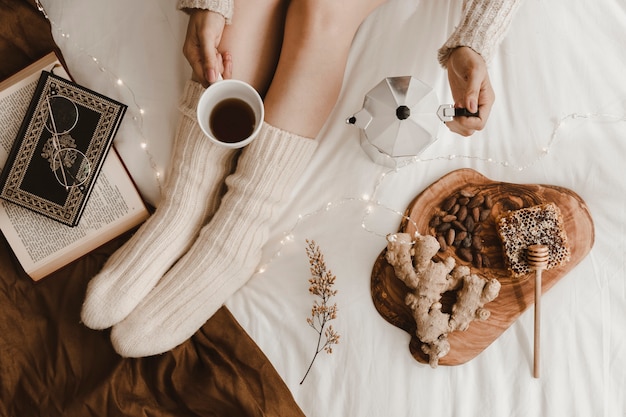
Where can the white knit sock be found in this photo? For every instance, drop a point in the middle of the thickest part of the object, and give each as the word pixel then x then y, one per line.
pixel 192 193
pixel 226 252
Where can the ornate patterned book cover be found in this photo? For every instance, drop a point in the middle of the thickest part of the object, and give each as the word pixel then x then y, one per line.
pixel 60 147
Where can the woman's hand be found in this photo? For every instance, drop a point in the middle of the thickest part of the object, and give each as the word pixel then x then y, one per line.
pixel 204 33
pixel 471 88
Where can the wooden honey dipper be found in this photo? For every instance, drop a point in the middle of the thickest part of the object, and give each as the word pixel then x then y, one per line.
pixel 538 257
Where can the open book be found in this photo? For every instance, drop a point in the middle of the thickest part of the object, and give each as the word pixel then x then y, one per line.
pixel 43 245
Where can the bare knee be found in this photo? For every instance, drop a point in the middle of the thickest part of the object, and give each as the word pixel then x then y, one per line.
pixel 338 19
pixel 258 4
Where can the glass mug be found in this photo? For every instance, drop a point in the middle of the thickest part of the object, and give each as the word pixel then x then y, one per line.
pixel 230 113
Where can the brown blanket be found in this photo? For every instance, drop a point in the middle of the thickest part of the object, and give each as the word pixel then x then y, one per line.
pixel 51 365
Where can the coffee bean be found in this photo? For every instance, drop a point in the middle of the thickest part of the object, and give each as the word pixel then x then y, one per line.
pixel 448 203
pixel 450 236
pixel 448 218
pixel 465 254
pixel 477 242
pixel 462 213
pixel 476 214
pixel 476 201
pixel 458 225
pixel 442 244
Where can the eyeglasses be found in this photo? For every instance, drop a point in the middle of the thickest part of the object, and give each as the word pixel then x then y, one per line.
pixel 70 166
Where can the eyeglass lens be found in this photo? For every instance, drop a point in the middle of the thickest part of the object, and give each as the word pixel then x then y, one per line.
pixel 63 115
pixel 70 166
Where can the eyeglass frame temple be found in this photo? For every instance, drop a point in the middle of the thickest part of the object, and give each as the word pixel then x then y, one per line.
pixel 56 143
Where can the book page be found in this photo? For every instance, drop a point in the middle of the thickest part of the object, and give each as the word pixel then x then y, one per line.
pixel 43 245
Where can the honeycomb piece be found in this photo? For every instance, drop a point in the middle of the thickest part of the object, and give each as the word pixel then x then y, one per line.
pixel 541 224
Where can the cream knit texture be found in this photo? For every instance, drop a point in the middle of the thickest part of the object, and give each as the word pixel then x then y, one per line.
pixel 223 7
pixel 191 194
pixel 226 253
pixel 483 26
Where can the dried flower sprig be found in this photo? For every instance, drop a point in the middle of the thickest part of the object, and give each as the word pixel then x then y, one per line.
pixel 322 281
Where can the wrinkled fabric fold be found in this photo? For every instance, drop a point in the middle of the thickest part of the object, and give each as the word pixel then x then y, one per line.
pixel 52 365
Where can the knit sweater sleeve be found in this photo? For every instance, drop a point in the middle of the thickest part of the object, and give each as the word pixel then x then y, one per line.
pixel 483 26
pixel 223 7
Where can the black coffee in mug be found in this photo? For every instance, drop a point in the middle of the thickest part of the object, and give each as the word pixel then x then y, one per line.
pixel 232 120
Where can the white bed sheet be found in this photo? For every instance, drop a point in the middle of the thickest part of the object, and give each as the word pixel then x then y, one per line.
pixel 559 119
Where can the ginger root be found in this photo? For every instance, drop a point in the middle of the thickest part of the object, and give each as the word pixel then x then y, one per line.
pixel 413 264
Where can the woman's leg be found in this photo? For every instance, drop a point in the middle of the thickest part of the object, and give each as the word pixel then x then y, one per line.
pixel 194 183
pixel 228 249
pixel 308 79
pixel 254 55
pixel 192 192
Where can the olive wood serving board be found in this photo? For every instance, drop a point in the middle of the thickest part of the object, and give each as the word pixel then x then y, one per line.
pixel 516 293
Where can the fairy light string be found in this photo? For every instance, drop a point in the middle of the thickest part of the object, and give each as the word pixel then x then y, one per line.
pixel 368 201
pixel 135 109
